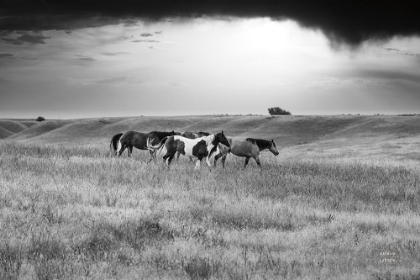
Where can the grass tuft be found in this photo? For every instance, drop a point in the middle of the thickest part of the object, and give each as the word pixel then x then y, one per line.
pixel 201 268
pixel 11 260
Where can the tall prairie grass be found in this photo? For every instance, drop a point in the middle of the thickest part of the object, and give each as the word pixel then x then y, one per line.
pixel 80 213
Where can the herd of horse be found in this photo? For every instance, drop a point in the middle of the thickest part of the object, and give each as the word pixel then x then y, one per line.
pixel 195 145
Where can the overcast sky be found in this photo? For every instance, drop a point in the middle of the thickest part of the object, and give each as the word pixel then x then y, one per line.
pixel 80 61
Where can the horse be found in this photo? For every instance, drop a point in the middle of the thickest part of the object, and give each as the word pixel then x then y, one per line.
pixel 245 148
pixel 194 135
pixel 202 134
pixel 189 135
pixel 136 139
pixel 113 145
pixel 163 134
pixel 194 148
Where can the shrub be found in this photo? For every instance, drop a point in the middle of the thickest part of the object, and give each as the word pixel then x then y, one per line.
pixel 40 119
pixel 278 111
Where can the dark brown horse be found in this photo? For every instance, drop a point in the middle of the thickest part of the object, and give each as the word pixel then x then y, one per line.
pixel 136 139
pixel 194 135
pixel 245 148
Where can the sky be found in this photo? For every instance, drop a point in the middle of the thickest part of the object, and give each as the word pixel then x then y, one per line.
pixel 132 58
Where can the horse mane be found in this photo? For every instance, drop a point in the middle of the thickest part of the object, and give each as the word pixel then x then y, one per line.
pixel 161 134
pixel 261 143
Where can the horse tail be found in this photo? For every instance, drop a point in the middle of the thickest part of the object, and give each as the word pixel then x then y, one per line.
pixel 119 146
pixel 161 148
pixel 152 147
pixel 113 143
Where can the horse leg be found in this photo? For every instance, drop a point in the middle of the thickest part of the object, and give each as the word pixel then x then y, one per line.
pixel 223 160
pixel 165 157
pixel 121 150
pixel 130 150
pixel 152 156
pixel 246 161
pixel 257 160
pixel 197 164
pixel 168 157
pixel 208 161
pixel 216 157
pixel 171 157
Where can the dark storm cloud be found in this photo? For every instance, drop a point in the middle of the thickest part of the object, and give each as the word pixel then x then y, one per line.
pixel 85 58
pixel 392 49
pixel 31 39
pixel 12 41
pixel 346 21
pixel 145 41
pixel 130 22
pixel 22 21
pixel 417 55
pixel 114 53
pixel 6 55
pixel 4 81
pixel 11 56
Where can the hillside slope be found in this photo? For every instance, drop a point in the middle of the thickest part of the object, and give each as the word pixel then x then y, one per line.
pixel 352 135
pixel 10 127
pixel 289 130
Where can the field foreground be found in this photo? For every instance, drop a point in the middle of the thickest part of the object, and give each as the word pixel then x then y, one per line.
pixel 75 212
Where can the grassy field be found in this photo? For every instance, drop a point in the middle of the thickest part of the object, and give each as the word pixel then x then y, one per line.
pixel 320 210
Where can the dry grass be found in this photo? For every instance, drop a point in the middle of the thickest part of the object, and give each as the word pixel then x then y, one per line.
pixel 77 213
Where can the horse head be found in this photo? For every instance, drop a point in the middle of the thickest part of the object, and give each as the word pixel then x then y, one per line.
pixel 221 138
pixel 273 148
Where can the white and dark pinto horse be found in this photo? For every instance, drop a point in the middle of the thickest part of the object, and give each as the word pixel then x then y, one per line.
pixel 192 135
pixel 247 148
pixel 131 139
pixel 193 148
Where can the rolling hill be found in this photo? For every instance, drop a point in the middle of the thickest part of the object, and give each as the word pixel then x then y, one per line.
pixel 355 135
pixel 9 127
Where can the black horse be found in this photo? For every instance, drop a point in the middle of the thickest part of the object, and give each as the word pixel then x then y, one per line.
pixel 131 139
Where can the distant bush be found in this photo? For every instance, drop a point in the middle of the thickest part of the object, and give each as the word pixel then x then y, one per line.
pixel 40 119
pixel 278 111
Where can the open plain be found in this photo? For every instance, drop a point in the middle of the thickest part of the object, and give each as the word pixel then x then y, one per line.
pixel 341 201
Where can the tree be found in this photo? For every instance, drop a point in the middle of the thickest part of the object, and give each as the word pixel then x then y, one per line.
pixel 278 111
pixel 40 119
